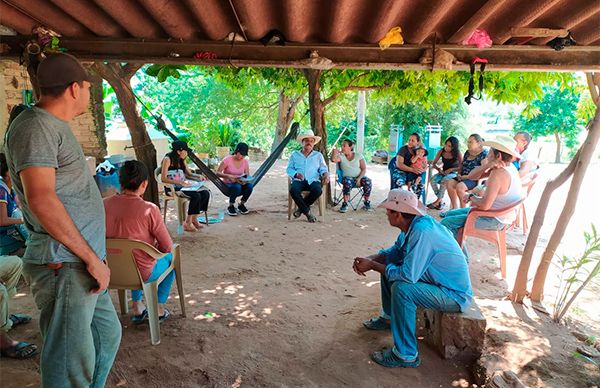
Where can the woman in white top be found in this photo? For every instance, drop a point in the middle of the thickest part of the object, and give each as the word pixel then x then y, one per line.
pixel 503 188
pixel 353 168
pixel 528 161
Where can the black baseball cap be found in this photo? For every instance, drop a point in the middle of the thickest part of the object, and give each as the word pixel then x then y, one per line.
pixel 179 145
pixel 60 70
pixel 242 148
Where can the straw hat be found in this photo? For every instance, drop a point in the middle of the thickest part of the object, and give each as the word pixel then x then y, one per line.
pixel 308 134
pixel 403 201
pixel 505 144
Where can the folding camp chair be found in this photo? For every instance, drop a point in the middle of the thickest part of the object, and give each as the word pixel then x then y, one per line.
pixel 356 193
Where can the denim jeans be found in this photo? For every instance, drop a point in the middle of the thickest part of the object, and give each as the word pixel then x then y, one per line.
pixel 80 330
pixel 399 301
pixel 165 286
pixel 438 183
pixel 456 218
pixel 236 189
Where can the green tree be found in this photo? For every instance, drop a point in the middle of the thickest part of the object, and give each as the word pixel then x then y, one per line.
pixel 554 114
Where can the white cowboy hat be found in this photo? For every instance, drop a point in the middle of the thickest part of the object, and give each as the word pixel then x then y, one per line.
pixel 505 144
pixel 308 134
pixel 403 201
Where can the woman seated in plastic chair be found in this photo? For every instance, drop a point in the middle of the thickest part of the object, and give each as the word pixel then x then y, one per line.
pixel 174 170
pixel 503 188
pixel 451 162
pixel 128 216
pixel 528 162
pixel 13 234
pixel 401 165
pixel 233 170
pixel 353 168
pixel 473 157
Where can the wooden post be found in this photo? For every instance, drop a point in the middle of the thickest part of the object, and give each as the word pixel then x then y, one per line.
pixel 360 122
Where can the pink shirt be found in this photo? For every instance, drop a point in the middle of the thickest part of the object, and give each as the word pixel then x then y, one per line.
pixel 131 217
pixel 229 167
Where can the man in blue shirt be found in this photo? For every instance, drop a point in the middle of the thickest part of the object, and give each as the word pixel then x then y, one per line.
pixel 308 172
pixel 425 267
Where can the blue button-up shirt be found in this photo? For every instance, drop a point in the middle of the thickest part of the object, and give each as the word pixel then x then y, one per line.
pixel 429 253
pixel 311 166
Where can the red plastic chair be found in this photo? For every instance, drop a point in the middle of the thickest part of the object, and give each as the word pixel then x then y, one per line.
pixel 497 237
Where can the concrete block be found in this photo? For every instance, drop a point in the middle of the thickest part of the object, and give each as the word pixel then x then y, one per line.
pixel 453 335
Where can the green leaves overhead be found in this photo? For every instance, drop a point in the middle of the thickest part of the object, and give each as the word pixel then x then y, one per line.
pixel 163 72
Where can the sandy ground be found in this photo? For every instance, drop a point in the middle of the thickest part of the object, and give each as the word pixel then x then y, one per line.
pixel 272 302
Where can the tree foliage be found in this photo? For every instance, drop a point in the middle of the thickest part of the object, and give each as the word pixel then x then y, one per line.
pixel 555 113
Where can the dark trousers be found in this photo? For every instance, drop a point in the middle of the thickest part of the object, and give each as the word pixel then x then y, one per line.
pixel 198 201
pixel 296 189
pixel 236 189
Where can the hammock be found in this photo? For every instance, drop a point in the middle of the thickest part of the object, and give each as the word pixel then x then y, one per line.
pixel 211 176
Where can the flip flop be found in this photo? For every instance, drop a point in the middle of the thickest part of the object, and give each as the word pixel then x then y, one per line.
pixel 20 351
pixel 19 319
pixel 139 319
pixel 165 316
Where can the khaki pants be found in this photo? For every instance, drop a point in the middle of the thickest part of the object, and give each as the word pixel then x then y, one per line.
pixel 10 272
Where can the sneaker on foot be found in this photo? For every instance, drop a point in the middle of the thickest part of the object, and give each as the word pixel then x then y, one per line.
pixel 344 207
pixel 243 209
pixel 231 210
pixel 310 217
pixel 367 205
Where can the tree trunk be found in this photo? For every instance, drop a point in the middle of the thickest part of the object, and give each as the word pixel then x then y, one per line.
pixel 557 156
pixel 520 287
pixel 585 157
pixel 97 103
pixel 119 78
pixel 285 115
pixel 317 109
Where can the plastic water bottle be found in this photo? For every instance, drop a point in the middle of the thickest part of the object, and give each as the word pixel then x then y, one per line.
pixel 180 229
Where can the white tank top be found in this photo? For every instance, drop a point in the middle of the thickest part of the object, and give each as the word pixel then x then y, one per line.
pixel 514 193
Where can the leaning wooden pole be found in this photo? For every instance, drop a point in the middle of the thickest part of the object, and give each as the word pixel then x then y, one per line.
pixel 520 286
pixel 587 151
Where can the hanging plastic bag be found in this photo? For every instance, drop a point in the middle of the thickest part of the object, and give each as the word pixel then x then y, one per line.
pixel 393 36
pixel 479 38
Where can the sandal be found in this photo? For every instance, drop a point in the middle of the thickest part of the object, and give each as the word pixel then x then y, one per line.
pixel 20 351
pixel 139 319
pixel 165 316
pixel 19 319
pixel 297 214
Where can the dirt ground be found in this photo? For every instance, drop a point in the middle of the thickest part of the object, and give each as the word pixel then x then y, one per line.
pixel 272 302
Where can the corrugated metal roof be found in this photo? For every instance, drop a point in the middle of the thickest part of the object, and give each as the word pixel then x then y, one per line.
pixel 153 30
pixel 303 21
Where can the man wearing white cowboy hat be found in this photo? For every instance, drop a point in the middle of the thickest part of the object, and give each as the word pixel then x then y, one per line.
pixel 308 172
pixel 424 268
pixel 502 189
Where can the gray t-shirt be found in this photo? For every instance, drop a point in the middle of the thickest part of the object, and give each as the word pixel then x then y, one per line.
pixel 37 138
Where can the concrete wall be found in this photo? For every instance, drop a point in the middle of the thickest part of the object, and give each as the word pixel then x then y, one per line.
pixel 14 79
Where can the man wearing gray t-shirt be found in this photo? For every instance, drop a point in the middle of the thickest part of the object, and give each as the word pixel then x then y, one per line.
pixel 62 208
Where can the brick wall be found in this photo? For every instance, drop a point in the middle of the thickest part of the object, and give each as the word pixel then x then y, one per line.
pixel 14 79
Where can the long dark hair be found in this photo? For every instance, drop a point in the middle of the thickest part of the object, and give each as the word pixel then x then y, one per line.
pixel 176 161
pixel 454 143
pixel 416 135
pixel 3 166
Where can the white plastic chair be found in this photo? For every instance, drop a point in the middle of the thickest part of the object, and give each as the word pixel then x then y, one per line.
pixel 124 275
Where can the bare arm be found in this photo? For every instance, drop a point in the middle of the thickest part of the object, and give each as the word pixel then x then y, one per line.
pixel 526 167
pixel 166 163
pixel 401 166
pixel 493 186
pixel 363 171
pixel 335 157
pixel 222 174
pixel 191 175
pixel 5 220
pixel 39 187
pixel 437 159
